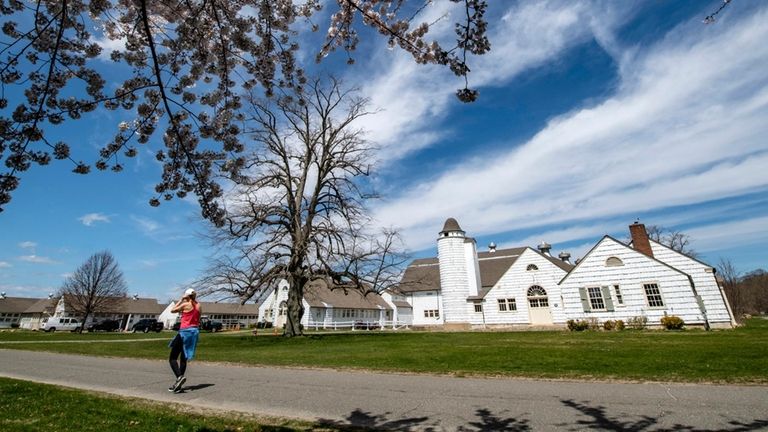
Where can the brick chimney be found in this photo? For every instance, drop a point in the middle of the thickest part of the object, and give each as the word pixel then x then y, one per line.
pixel 640 239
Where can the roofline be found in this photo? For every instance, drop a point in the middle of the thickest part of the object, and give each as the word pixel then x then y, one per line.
pixel 626 246
pixel 680 253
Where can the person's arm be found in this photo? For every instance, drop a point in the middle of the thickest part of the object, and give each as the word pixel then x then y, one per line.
pixel 182 305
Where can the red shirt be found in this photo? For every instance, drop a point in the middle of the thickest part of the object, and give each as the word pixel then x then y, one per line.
pixel 191 318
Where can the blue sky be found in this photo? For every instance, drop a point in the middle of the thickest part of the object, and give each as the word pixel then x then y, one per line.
pixel 591 115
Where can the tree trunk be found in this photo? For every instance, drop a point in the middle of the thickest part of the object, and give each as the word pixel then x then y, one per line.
pixel 295 306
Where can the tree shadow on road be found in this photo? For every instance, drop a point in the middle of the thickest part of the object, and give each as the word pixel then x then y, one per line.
pixel 487 422
pixel 599 419
pixel 490 422
pixel 367 420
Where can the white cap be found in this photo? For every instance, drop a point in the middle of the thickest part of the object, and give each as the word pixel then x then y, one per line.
pixel 189 292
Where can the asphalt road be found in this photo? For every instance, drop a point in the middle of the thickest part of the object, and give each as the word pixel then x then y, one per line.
pixel 409 402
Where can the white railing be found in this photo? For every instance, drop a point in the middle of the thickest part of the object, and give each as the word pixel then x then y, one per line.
pixel 356 325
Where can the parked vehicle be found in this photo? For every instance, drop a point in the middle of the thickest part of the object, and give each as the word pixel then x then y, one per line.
pixel 205 324
pixel 362 325
pixel 210 325
pixel 263 324
pixel 51 324
pixel 147 325
pixel 106 325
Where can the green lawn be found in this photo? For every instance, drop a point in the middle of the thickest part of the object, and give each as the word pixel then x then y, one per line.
pixel 723 356
pixel 31 407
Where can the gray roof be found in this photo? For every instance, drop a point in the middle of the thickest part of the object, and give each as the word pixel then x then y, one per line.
pixel 317 294
pixel 560 263
pixel 424 274
pixel 451 225
pixel 139 306
pixel 16 305
pixel 229 308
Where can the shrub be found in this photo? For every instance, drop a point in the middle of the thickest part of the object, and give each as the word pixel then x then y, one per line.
pixel 672 322
pixel 637 322
pixel 14 325
pixel 620 325
pixel 594 324
pixel 579 325
pixel 609 325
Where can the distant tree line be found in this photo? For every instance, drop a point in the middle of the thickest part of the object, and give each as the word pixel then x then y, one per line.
pixel 747 293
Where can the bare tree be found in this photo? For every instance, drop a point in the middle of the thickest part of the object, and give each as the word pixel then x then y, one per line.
pixel 97 286
pixel 183 68
pixel 298 211
pixel 676 240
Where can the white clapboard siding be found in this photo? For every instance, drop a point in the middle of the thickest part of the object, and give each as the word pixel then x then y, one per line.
pixel 426 300
pixel 454 279
pixel 515 283
pixel 703 279
pixel 637 269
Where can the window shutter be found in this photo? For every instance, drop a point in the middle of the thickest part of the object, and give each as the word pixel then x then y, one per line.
pixel 584 299
pixel 607 298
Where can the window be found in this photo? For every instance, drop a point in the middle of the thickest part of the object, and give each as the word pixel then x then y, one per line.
pixel 537 297
pixel 478 307
pixel 596 301
pixel 614 262
pixel 653 294
pixel 432 313
pixel 619 298
pixel 507 305
pixel 283 309
pixel 531 267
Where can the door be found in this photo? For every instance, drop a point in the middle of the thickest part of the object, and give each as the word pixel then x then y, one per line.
pixel 538 306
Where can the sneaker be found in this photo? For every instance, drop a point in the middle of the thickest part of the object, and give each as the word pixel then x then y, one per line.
pixel 175 384
pixel 179 382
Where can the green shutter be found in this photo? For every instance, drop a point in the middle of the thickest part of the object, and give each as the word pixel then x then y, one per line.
pixel 607 298
pixel 584 299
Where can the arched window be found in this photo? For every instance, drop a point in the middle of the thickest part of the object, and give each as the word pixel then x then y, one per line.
pixel 531 267
pixel 537 297
pixel 614 262
pixel 283 309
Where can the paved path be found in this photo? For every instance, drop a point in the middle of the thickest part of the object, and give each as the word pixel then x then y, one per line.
pixel 409 402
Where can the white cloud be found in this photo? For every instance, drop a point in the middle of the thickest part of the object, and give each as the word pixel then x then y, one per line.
pixel 686 126
pixel 37 259
pixel 91 218
pixel 413 98
pixel 4 264
pixel 27 245
pixel 723 235
pixel 148 226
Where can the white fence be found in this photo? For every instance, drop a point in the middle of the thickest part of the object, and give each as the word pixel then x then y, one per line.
pixel 356 325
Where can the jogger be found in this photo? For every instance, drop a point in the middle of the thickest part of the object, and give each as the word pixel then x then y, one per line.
pixel 183 345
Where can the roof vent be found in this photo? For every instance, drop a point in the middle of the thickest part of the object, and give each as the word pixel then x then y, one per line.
pixel 492 247
pixel 2 295
pixel 544 248
pixel 565 256
pixel 50 296
pixel 135 297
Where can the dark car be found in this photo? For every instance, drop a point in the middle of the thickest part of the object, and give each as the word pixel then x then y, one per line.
pixel 205 324
pixel 147 325
pixel 106 325
pixel 210 325
pixel 361 325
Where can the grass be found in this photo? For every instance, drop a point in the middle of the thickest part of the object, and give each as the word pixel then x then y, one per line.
pixel 724 356
pixel 31 407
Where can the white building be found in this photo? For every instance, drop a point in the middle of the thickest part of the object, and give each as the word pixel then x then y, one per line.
pixel 326 308
pixel 232 316
pixel 462 288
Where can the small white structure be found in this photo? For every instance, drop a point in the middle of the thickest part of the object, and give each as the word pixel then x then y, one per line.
pixel 232 316
pixel 326 308
pixel 462 288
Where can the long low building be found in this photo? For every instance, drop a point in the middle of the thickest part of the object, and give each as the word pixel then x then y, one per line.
pixel 645 280
pixel 232 316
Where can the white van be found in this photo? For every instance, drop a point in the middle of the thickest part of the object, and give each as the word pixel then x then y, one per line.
pixel 51 324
